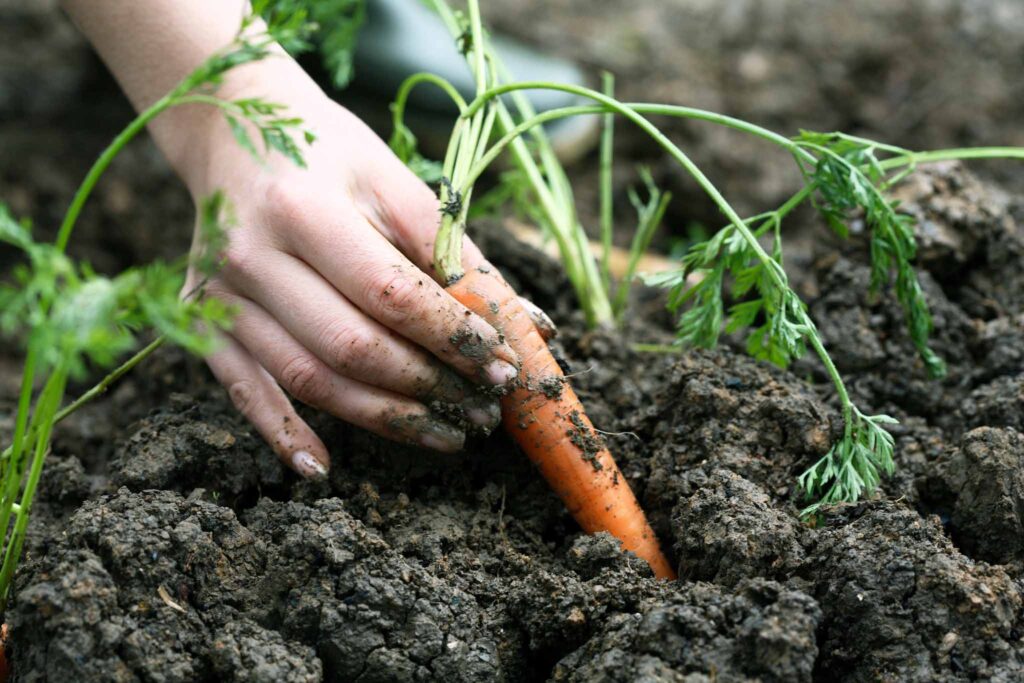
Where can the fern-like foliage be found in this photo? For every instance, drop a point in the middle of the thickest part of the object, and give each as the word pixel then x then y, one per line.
pixel 764 304
pixel 848 178
pixel 853 466
pixel 78 318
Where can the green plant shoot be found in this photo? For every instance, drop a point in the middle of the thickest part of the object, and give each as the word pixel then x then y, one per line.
pixel 71 320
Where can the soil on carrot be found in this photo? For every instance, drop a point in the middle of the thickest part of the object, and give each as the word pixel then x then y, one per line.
pixel 170 545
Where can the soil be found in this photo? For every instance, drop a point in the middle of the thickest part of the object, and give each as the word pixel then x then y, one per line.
pixel 170 545
pixel 918 73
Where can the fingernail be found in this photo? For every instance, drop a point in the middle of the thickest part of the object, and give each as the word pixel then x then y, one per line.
pixel 499 372
pixel 540 319
pixel 308 466
pixel 443 437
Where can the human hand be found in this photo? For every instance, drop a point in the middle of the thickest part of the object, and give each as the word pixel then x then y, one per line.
pixel 329 271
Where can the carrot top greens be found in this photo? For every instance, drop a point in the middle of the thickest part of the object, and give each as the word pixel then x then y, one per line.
pixel 70 319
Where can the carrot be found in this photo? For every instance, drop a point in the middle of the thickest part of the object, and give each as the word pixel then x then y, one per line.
pixel 546 418
pixel 5 668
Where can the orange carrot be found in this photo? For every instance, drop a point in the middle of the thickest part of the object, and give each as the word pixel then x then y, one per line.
pixel 5 668
pixel 546 418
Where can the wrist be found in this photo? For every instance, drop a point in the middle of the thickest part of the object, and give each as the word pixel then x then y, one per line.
pixel 196 138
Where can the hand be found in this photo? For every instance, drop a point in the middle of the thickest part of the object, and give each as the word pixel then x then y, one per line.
pixel 329 271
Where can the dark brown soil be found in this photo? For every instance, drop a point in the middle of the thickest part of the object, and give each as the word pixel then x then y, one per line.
pixel 918 73
pixel 170 545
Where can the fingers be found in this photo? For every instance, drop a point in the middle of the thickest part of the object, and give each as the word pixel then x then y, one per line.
pixel 371 273
pixel 409 218
pixel 262 402
pixel 358 347
pixel 309 380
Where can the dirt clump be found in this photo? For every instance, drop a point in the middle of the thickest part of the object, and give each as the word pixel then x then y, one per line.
pixel 188 444
pixel 728 411
pixel 901 603
pixel 312 574
pixel 729 530
pixel 763 632
pixel 983 486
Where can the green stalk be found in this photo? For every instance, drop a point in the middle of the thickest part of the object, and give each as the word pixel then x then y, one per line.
pixel 607 148
pixel 47 405
pixel 516 131
pixel 461 155
pixel 101 164
pixel 477 29
pixel 553 194
pixel 101 387
pixel 98 390
pixel 773 269
pixel 954 154
pixel 15 467
pixel 833 373
pixel 593 298
pixel 644 108
pixel 398 106
pixel 28 377
pixel 585 274
pixel 903 157
pixel 641 241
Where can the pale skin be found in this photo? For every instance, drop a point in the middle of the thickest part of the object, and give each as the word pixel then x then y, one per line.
pixel 328 268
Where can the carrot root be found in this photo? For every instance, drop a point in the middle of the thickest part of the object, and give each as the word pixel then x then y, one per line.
pixel 546 418
pixel 5 667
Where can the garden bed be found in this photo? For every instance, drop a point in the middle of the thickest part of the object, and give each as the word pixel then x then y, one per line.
pixel 170 545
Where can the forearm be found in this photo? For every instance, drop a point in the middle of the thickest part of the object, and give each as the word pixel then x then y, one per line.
pixel 151 45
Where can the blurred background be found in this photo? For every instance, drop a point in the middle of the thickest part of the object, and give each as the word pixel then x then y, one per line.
pixel 918 73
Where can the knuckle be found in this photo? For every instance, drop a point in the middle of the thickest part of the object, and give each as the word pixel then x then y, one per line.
pixel 304 379
pixel 286 202
pixel 414 213
pixel 394 295
pixel 245 397
pixel 347 344
pixel 239 257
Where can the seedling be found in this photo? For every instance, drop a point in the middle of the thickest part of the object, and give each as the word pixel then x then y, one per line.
pixel 71 319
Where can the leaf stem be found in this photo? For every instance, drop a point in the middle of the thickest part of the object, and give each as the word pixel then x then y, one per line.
pixel 398 106
pixel 607 149
pixel 49 399
pixel 837 379
pixel 101 164
pixel 468 141
pixel 954 154
pixel 100 388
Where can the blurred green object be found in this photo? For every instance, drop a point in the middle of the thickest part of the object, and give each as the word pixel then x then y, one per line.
pixel 374 45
